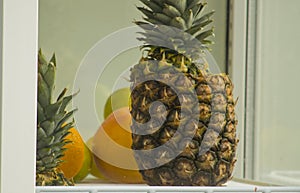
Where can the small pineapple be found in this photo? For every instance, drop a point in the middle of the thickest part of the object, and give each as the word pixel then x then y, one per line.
pixel 184 125
pixel 52 126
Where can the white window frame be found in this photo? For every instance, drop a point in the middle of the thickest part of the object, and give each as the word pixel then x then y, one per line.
pixel 18 53
pixel 237 66
pixel 19 32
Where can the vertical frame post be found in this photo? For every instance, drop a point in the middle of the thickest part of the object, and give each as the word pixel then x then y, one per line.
pixel 18 90
pixel 251 80
pixel 237 70
pixel 243 70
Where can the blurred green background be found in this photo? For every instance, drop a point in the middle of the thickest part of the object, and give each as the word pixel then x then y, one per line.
pixel 70 28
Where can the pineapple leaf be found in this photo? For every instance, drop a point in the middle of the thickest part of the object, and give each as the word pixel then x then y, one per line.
pixel 205 34
pixel 196 28
pixel 199 9
pixel 39 165
pixel 53 165
pixel 41 57
pixel 204 18
pixel 153 21
pixel 52 109
pixel 207 42
pixel 58 117
pixel 43 92
pixel 179 23
pixel 59 136
pixel 49 127
pixel 146 12
pixel 168 31
pixel 157 41
pixel 49 76
pixel 40 113
pixel 152 5
pixel 57 152
pixel 58 155
pixel 141 39
pixel 189 17
pixel 192 3
pixel 53 60
pixel 46 142
pixel 56 147
pixel 42 63
pixel 171 11
pixel 41 134
pixel 155 34
pixel 159 2
pixel 65 140
pixel 162 18
pixel 44 152
pixel 62 94
pixel 196 9
pixel 65 118
pixel 67 126
pixel 144 25
pixel 47 160
pixel 65 101
pixel 179 4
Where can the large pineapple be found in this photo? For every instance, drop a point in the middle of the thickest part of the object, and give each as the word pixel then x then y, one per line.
pixel 52 126
pixel 184 125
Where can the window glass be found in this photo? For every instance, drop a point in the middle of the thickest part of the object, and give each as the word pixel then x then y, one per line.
pixel 71 28
pixel 278 92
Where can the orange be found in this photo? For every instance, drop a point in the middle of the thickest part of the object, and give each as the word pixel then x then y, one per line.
pixel 74 155
pixel 112 149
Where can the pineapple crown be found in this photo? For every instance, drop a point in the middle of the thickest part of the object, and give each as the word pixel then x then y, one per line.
pixel 176 24
pixel 52 117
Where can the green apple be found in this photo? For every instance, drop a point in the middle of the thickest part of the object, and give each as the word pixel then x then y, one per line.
pixel 93 168
pixel 86 165
pixel 89 165
pixel 95 171
pixel 118 99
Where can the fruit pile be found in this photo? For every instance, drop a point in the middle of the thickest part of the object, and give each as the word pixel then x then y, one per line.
pixel 78 160
pixel 117 162
pixel 63 157
pixel 111 164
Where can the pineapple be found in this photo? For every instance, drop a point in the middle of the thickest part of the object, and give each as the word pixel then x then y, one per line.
pixel 52 126
pixel 183 117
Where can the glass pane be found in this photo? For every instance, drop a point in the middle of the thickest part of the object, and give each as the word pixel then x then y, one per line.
pixel 278 94
pixel 71 28
pixel 100 33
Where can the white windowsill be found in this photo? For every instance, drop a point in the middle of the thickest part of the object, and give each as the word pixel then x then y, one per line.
pixel 96 186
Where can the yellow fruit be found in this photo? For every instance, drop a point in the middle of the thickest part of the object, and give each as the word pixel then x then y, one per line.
pixel 94 170
pixel 118 99
pixel 86 166
pixel 112 149
pixel 74 155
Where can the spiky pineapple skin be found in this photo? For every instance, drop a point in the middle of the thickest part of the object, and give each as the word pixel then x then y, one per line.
pixel 183 119
pixel 52 126
pixel 54 177
pixel 200 152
